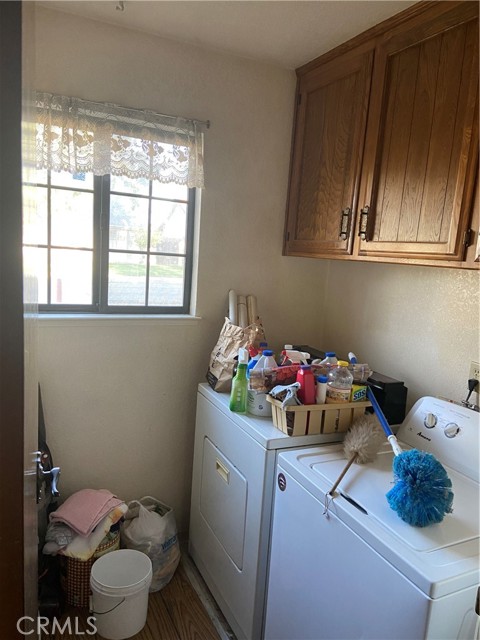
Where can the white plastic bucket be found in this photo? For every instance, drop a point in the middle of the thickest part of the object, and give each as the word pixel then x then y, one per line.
pixel 120 581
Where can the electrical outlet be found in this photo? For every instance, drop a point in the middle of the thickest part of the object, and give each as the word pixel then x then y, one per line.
pixel 474 370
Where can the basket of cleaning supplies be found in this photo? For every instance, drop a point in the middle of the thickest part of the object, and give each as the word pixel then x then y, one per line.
pixel 311 419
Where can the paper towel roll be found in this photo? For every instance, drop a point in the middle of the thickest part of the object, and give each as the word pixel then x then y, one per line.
pixel 252 312
pixel 232 306
pixel 242 311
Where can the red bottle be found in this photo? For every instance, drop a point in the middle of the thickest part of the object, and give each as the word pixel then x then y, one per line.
pixel 306 393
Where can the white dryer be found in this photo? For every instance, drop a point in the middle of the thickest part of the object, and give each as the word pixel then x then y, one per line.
pixel 232 491
pixel 357 570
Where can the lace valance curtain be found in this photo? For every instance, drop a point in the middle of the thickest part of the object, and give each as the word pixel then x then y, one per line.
pixel 78 136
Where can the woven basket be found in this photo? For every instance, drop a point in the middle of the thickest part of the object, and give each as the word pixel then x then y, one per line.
pixel 75 574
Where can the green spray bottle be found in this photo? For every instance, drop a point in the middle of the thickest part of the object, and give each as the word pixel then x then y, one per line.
pixel 238 395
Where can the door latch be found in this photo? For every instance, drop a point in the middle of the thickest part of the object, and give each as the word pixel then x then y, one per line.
pixel 46 478
pixel 362 227
pixel 222 471
pixel 345 223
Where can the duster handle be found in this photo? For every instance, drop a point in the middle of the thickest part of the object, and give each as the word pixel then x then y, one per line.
pixel 383 422
pixel 342 475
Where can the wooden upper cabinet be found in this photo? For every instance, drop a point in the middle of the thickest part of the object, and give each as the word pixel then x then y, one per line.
pixel 385 148
pixel 328 145
pixel 421 146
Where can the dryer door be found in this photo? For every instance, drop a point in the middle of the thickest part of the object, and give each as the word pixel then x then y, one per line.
pixel 223 501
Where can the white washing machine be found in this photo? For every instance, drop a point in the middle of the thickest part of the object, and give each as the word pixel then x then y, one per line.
pixel 230 517
pixel 358 570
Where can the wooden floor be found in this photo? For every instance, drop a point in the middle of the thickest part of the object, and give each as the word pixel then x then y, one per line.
pixel 174 613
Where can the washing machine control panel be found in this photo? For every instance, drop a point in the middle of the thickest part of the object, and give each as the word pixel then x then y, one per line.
pixel 430 420
pixel 451 430
pixel 448 431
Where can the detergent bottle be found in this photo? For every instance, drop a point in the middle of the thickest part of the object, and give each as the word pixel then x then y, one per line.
pixel 266 361
pixel 330 358
pixel 261 347
pixel 306 393
pixel 257 403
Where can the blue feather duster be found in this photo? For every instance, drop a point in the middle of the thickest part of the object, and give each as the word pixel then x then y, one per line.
pixel 423 492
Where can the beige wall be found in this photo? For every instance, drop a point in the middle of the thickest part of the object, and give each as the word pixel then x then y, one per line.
pixel 418 324
pixel 119 394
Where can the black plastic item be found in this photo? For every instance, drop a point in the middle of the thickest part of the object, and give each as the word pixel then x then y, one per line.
pixel 472 384
pixel 51 599
pixel 47 475
pixel 391 395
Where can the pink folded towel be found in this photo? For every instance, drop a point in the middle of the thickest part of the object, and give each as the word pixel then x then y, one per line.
pixel 83 510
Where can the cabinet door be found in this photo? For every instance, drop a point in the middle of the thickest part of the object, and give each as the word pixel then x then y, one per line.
pixel 327 151
pixel 421 146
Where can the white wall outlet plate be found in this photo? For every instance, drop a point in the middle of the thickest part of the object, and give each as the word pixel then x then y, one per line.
pixel 474 370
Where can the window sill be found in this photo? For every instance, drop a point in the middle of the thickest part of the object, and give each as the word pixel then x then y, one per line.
pixel 70 319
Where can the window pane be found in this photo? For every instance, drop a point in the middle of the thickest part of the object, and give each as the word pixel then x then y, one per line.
pixel 35 265
pixel 137 186
pixel 72 218
pixel 127 276
pixel 167 275
pixel 170 191
pixel 41 176
pixel 71 276
pixel 128 223
pixel 169 227
pixel 75 181
pixel 35 215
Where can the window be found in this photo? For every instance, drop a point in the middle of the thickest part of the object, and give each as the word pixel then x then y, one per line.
pixel 111 244
pixel 115 196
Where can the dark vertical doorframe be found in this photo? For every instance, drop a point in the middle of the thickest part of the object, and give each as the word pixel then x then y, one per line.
pixel 11 324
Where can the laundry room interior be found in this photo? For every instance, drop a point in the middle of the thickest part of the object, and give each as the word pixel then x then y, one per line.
pixel 120 391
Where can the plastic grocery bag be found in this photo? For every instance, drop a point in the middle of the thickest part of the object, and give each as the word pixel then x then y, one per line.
pixel 150 527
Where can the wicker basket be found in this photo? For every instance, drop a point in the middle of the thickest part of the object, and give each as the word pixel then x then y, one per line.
pixel 310 419
pixel 75 574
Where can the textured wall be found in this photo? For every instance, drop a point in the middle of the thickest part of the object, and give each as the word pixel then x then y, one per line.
pixel 418 324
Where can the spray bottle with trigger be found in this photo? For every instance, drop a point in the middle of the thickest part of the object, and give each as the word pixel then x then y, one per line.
pixel 238 395
pixel 291 356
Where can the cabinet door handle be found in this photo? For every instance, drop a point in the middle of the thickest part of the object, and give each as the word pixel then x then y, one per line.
pixel 222 471
pixel 362 226
pixel 345 223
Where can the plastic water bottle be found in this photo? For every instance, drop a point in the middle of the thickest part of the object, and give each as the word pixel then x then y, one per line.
pixel 321 390
pixel 306 393
pixel 238 395
pixel 339 384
